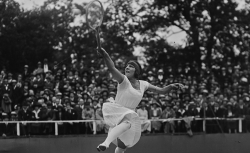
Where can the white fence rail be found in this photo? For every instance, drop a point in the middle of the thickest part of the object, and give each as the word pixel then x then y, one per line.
pixel 94 123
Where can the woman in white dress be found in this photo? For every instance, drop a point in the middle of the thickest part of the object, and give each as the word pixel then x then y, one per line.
pixel 124 122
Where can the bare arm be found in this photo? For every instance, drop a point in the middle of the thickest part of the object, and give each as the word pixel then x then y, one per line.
pixel 165 89
pixel 116 74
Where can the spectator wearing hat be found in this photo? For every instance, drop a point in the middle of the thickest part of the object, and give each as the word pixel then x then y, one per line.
pixel 204 113
pixel 105 94
pixel 26 72
pixel 100 100
pixel 168 113
pixel 17 94
pixel 215 126
pixel 59 97
pixel 88 114
pixel 95 105
pixel 20 81
pixel 13 117
pixel 17 108
pixel 25 115
pixel 10 78
pixel 25 91
pixel 230 113
pixel 49 116
pixel 6 129
pixel 111 97
pixel 43 116
pixel 97 78
pixel 81 107
pixel 85 80
pixel 36 116
pixel 6 87
pixel 203 98
pixel 60 116
pixel 38 82
pixel 212 125
pixel 6 103
pixel 46 67
pixel 39 69
pixel 81 103
pixel 78 126
pixel 58 84
pixel 72 97
pixel 188 111
pixel 143 115
pixel 160 76
pixel 79 87
pixel 70 114
pixel 54 67
pixel 155 113
pixel 48 84
pixel 77 76
pixel 103 71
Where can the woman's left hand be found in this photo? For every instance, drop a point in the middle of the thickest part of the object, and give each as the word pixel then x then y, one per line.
pixel 176 86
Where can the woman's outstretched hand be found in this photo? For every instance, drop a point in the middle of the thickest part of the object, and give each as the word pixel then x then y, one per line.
pixel 177 86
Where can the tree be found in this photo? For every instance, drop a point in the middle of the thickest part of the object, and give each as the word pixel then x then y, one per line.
pixel 205 22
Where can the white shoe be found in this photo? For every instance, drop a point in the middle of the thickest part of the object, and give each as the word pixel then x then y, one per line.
pixel 102 147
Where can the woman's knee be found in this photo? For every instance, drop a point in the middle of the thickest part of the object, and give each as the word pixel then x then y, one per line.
pixel 119 150
pixel 128 124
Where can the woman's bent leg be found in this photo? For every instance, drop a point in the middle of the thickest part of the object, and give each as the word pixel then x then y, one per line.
pixel 116 132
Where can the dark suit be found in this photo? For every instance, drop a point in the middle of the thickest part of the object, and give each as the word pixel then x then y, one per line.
pixel 24 116
pixel 78 127
pixel 26 75
pixel 70 115
pixel 17 95
pixel 39 83
pixel 6 88
pixel 7 129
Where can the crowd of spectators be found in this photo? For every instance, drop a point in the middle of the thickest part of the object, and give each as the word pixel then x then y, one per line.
pixel 76 91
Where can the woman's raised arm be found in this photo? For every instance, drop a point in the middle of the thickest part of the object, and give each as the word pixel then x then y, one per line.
pixel 116 74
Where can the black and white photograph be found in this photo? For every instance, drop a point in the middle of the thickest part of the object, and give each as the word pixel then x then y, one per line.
pixel 124 76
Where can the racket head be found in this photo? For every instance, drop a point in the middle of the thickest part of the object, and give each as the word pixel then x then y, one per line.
pixel 94 14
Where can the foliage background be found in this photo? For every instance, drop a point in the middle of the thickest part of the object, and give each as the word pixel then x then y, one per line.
pixel 217 33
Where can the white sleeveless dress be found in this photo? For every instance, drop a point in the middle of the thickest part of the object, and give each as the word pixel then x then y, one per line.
pixel 126 100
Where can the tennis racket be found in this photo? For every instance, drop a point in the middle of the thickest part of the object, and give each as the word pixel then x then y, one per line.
pixel 94 18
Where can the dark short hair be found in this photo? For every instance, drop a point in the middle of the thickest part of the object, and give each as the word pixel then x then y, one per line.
pixel 137 72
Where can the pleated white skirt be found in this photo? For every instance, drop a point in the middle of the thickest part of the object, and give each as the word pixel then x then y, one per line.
pixel 114 114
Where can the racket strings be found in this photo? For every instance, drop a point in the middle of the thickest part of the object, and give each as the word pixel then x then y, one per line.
pixel 95 14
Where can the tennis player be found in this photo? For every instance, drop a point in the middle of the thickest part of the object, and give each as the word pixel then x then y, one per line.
pixel 124 122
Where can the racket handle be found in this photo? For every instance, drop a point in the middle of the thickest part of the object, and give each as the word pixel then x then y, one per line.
pixel 98 40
